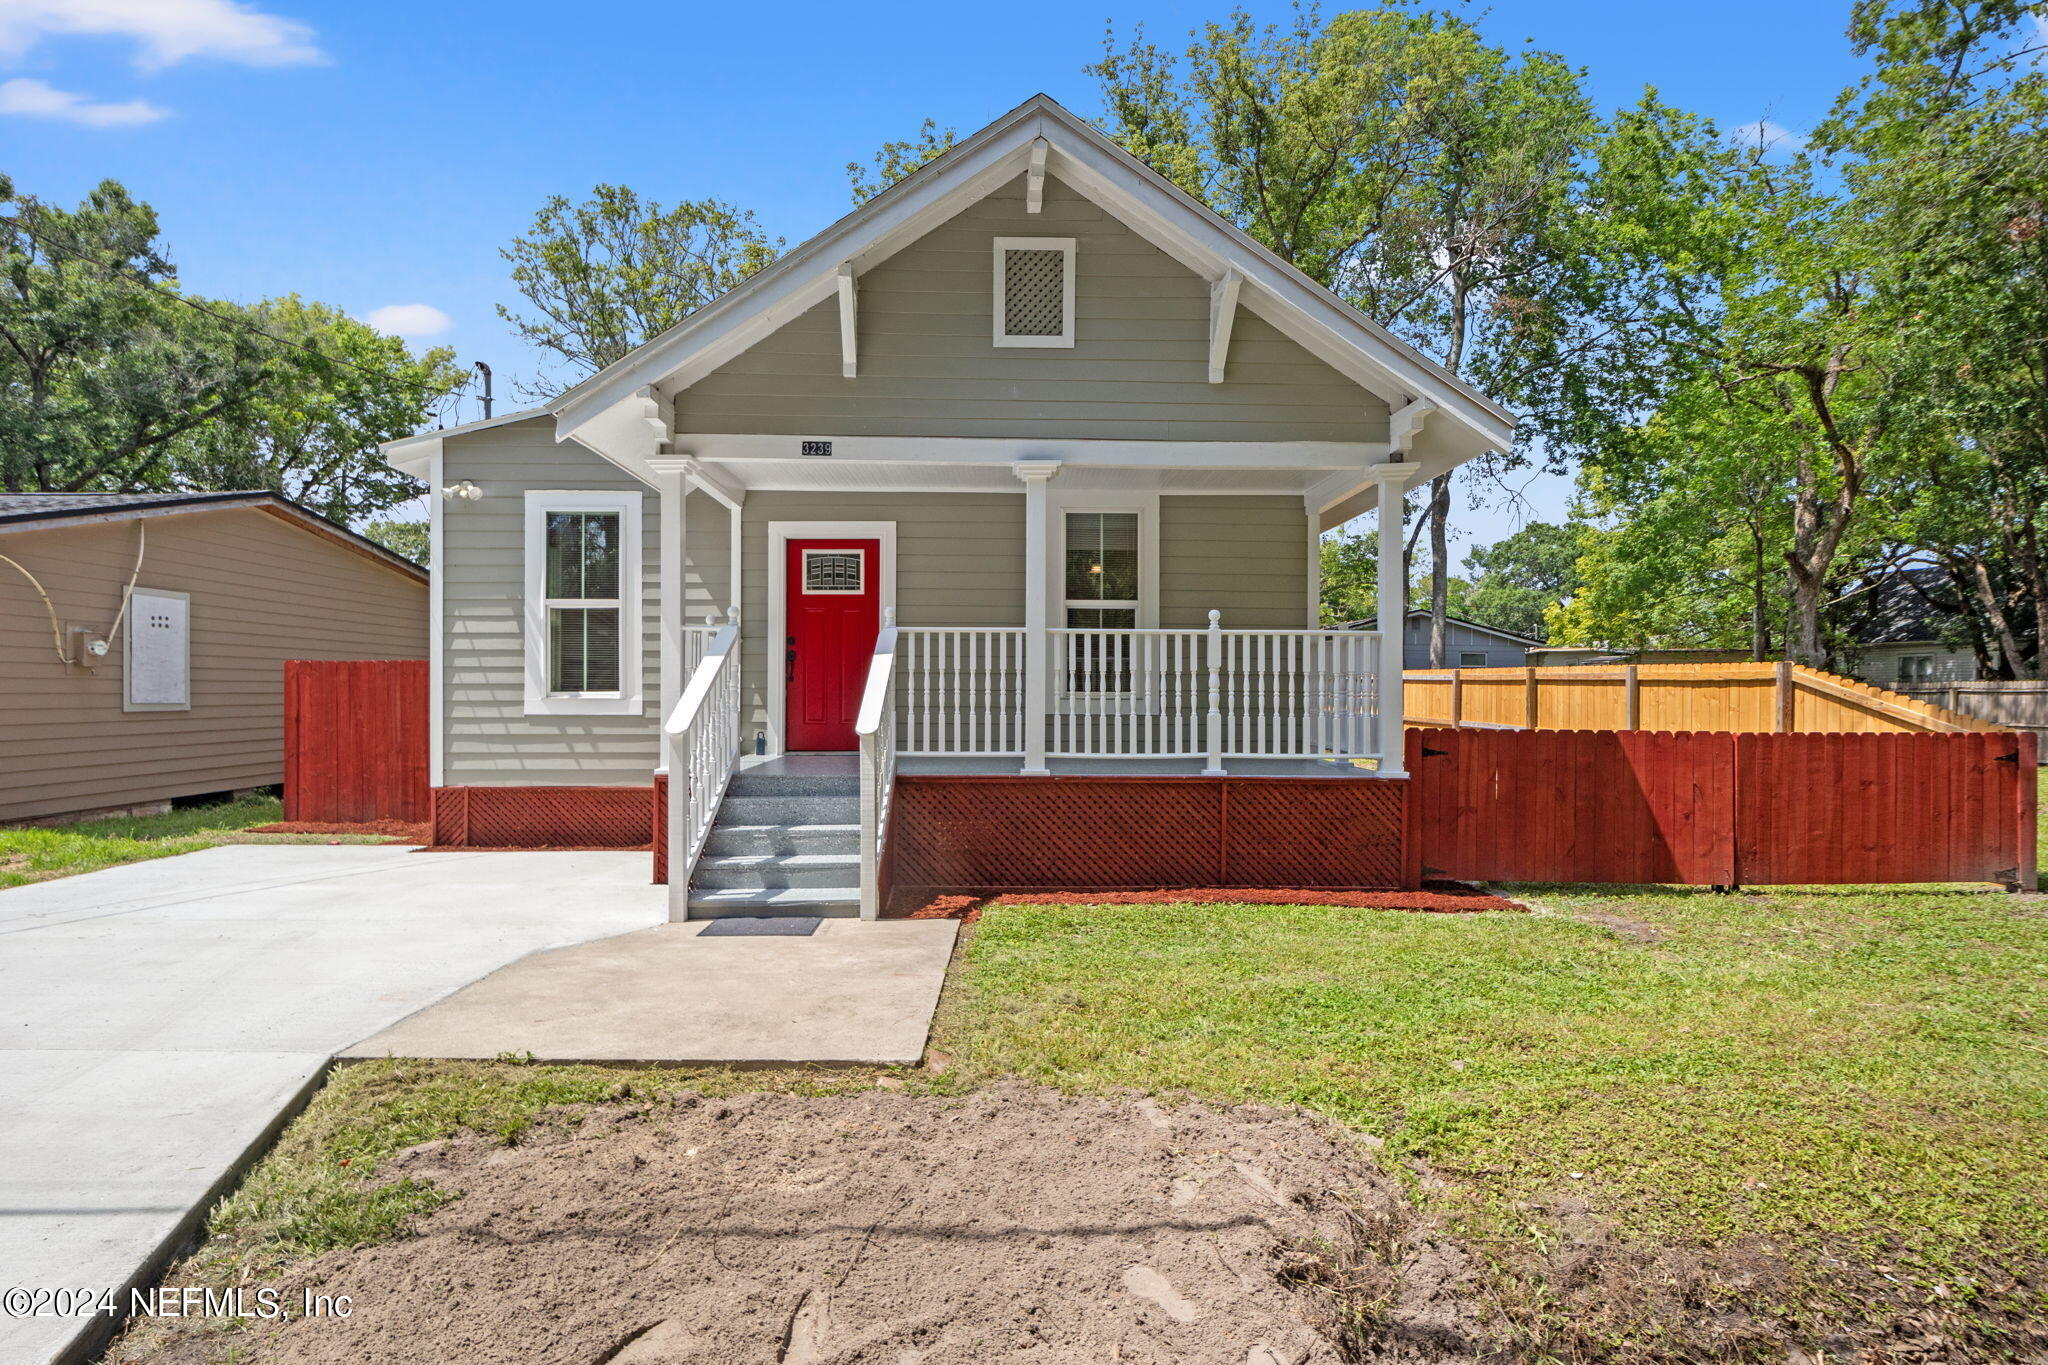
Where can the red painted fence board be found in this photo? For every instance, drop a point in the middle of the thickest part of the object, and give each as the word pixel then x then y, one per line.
pixel 1721 809
pixel 355 739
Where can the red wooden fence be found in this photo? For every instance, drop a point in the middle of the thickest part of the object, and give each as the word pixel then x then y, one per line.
pixel 355 739
pixel 1721 809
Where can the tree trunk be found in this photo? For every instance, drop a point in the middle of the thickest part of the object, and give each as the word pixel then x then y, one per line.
pixel 2001 624
pixel 1759 622
pixel 1439 577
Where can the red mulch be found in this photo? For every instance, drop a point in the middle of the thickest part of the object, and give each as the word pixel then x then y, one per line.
pixel 402 830
pixel 1440 898
pixel 536 848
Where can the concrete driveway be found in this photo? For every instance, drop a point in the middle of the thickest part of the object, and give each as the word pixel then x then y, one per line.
pixel 158 1022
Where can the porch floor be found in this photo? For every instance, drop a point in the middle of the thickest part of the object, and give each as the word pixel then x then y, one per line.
pixel 813 765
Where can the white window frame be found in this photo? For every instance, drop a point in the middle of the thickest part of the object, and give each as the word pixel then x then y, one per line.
pixel 1058 505
pixel 1066 246
pixel 627 701
pixel 135 610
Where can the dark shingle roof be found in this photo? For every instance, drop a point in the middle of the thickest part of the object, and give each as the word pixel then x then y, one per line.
pixel 1899 611
pixel 30 506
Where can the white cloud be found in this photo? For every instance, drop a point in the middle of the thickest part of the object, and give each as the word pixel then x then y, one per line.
pixel 410 320
pixel 33 99
pixel 164 31
pixel 1772 137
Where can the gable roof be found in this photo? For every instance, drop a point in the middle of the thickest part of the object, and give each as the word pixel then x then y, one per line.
pixel 1419 614
pixel 35 511
pixel 1910 608
pixel 616 409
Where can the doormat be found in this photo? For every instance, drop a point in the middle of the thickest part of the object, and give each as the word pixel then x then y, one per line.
pixel 761 926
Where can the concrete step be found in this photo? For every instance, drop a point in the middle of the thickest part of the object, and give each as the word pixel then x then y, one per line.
pixel 772 871
pixel 727 840
pixel 754 783
pixel 833 902
pixel 789 810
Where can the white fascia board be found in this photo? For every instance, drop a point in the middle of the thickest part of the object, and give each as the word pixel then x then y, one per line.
pixel 971 450
pixel 414 454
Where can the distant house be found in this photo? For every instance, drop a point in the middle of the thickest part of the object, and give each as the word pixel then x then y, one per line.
pixel 143 640
pixel 1898 641
pixel 1467 644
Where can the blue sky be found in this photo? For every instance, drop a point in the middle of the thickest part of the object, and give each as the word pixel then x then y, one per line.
pixel 375 155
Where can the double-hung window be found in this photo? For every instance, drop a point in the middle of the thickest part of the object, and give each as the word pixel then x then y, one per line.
pixel 582 603
pixel 1102 593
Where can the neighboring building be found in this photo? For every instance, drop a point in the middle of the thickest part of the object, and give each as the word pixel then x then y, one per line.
pixel 1566 656
pixel 1467 644
pixel 1898 639
pixel 180 691
pixel 1033 402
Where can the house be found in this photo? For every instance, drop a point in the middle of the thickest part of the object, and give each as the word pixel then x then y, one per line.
pixel 1003 487
pixel 1898 637
pixel 143 638
pixel 1467 644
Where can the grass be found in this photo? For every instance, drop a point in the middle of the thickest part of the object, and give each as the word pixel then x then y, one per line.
pixel 1828 1076
pixel 40 853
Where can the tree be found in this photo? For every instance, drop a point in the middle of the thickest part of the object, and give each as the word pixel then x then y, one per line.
pixel 408 538
pixel 340 388
pixel 898 159
pixel 605 275
pixel 1515 581
pixel 103 363
pixel 1394 156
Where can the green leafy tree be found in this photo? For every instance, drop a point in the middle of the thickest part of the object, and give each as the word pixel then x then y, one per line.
pixel 312 433
pixel 408 538
pixel 1393 155
pixel 1514 582
pixel 898 159
pixel 603 276
pixel 104 365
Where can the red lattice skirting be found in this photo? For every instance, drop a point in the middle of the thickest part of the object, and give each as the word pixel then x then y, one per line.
pixel 543 817
pixel 988 833
pixel 661 829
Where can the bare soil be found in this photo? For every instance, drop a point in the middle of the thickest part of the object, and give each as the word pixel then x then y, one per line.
pixel 401 831
pixel 1013 1224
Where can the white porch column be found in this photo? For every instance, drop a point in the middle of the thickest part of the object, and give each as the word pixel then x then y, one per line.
pixel 1315 565
pixel 673 540
pixel 1392 613
pixel 1036 474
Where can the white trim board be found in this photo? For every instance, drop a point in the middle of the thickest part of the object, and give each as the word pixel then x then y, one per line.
pixel 628 700
pixel 437 637
pixel 780 533
pixel 715 447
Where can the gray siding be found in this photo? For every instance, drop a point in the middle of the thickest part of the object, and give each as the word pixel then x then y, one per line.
pixel 929 367
pixel 1459 640
pixel 488 739
pixel 1880 664
pixel 263 590
pixel 1246 557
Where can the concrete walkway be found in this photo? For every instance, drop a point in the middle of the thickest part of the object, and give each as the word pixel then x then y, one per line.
pixel 159 1021
pixel 850 992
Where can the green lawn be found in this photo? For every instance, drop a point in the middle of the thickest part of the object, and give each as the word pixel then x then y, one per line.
pixel 1847 1084
pixel 39 853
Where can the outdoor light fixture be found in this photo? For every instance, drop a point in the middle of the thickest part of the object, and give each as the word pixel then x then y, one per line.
pixel 465 490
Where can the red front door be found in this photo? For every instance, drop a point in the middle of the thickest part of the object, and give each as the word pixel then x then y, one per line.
pixel 833 612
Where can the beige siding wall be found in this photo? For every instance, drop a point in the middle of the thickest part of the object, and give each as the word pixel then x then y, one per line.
pixel 1246 557
pixel 928 365
pixel 262 591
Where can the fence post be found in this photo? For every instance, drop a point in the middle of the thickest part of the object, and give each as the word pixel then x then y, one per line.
pixel 1457 697
pixel 1782 694
pixel 1212 724
pixel 1631 697
pixel 2026 876
pixel 1529 698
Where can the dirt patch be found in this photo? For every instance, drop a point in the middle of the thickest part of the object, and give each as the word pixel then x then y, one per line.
pixel 404 831
pixel 1435 898
pixel 1011 1224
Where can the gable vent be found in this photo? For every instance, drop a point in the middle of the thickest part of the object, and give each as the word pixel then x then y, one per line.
pixel 1034 291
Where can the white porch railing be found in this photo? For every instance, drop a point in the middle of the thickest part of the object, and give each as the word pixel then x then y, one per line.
pixel 697 639
pixel 1211 694
pixel 875 731
pixel 701 747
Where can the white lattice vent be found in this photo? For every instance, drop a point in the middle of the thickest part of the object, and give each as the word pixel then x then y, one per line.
pixel 1034 293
